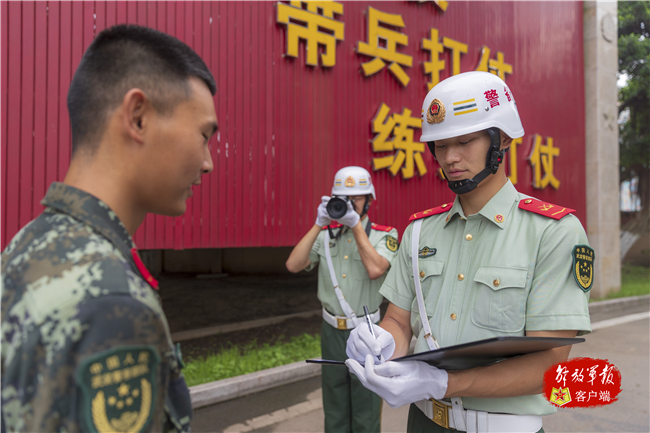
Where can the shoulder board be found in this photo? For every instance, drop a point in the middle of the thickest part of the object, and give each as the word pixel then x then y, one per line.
pixel 546 209
pixel 381 228
pixel 433 211
pixel 333 226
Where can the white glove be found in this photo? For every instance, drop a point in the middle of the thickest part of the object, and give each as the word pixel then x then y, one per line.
pixel 401 383
pixel 362 343
pixel 351 217
pixel 322 217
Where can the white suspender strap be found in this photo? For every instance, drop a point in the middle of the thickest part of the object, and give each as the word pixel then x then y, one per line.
pixel 415 242
pixel 457 403
pixel 339 294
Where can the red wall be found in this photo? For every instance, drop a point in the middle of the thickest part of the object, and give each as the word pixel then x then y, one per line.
pixel 286 127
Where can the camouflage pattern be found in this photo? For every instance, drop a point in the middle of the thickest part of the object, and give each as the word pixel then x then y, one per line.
pixel 70 292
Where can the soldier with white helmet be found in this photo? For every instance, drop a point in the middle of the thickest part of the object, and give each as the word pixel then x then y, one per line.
pixel 492 263
pixel 355 255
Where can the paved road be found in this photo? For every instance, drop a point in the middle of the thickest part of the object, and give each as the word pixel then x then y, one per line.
pixel 298 407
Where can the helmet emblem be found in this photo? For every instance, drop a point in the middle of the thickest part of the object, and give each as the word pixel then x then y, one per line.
pixel 436 112
pixel 349 182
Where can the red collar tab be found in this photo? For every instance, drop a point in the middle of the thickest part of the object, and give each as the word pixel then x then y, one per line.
pixel 433 211
pixel 333 226
pixel 143 270
pixel 381 228
pixel 546 209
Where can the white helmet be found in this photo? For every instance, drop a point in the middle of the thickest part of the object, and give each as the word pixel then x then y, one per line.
pixel 353 181
pixel 469 102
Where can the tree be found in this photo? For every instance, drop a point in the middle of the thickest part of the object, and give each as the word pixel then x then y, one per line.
pixel 634 97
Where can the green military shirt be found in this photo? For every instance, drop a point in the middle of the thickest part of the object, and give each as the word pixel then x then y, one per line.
pixel 500 272
pixel 353 279
pixel 85 342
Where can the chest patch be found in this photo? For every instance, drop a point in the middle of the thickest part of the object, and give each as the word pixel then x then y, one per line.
pixel 583 266
pixel 427 252
pixel 119 388
pixel 391 243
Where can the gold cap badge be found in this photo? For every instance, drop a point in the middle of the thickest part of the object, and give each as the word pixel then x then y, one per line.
pixel 349 181
pixel 436 111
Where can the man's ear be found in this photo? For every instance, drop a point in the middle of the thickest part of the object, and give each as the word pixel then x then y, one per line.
pixel 505 140
pixel 135 106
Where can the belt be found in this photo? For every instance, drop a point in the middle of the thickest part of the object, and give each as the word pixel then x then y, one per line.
pixel 472 421
pixel 343 323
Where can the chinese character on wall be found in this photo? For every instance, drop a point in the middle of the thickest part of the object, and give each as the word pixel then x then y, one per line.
pixel 315 28
pixel 389 53
pixel 409 153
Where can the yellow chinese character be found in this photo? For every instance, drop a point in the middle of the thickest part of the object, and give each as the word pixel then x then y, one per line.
pixel 117 376
pixel 106 379
pixel 113 362
pixel 129 359
pixel 541 158
pixel 436 64
pixel 497 67
pixel 441 4
pixel 96 381
pixel 311 29
pixel 512 156
pixel 96 368
pixel 409 153
pixel 143 357
pixel 389 53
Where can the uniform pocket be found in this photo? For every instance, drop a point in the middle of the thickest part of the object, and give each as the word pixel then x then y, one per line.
pixel 429 268
pixel 500 300
pixel 358 270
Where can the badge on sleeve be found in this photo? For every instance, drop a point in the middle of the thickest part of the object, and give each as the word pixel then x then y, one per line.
pixel 583 266
pixel 119 388
pixel 391 243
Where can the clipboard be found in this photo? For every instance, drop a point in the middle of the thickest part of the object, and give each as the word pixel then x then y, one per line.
pixel 478 353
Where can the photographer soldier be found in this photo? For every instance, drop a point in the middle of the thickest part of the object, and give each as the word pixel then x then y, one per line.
pixel 354 255
pixel 492 263
pixel 85 342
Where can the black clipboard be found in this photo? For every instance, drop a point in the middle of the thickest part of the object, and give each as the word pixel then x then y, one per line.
pixel 478 353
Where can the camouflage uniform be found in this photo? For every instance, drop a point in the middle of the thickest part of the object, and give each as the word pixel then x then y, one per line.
pixel 85 342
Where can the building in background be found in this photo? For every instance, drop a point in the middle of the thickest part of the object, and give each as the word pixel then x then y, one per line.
pixel 307 87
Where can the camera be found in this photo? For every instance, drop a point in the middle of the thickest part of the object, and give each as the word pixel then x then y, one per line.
pixel 337 206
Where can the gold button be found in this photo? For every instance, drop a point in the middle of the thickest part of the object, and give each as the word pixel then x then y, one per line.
pixel 461 277
pixel 468 237
pixel 529 201
pixel 343 275
pixel 453 316
pixel 346 257
pixel 496 283
pixel 421 274
pixel 349 240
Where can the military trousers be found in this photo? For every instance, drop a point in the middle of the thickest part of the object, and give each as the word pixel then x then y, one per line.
pixel 348 406
pixel 419 423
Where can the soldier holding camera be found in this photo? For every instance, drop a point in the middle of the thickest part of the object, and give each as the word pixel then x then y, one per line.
pixel 355 255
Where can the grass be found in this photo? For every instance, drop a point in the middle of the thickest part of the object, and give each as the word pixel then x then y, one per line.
pixel 635 281
pixel 236 361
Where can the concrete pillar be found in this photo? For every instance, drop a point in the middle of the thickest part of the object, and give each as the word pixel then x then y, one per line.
pixel 601 114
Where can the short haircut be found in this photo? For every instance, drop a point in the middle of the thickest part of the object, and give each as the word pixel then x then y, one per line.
pixel 124 57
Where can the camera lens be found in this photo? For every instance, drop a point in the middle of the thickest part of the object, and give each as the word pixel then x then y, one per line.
pixel 337 207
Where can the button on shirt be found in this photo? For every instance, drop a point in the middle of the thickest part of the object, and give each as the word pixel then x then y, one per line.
pixel 353 279
pixel 493 276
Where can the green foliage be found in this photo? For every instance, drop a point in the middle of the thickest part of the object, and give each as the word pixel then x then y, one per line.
pixel 635 281
pixel 236 361
pixel 634 60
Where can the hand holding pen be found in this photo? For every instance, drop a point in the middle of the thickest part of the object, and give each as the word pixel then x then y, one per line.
pixel 370 339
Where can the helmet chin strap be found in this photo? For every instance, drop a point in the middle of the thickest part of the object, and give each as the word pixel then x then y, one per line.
pixel 493 160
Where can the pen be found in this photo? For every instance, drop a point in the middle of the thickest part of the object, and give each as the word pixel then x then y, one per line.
pixel 372 331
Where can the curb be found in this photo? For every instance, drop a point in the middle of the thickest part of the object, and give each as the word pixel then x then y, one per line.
pixel 227 389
